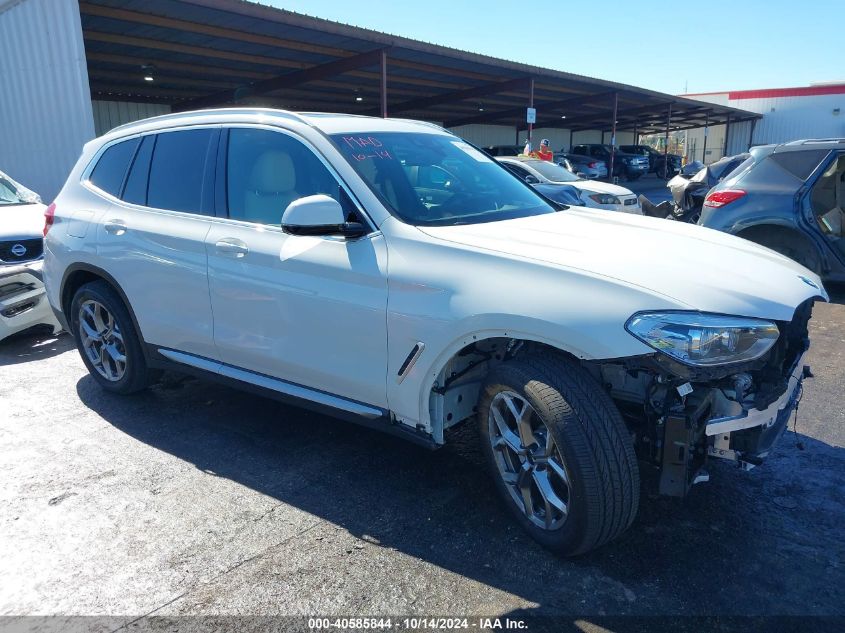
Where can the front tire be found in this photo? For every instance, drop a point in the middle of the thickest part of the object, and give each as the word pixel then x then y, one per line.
pixel 107 341
pixel 561 457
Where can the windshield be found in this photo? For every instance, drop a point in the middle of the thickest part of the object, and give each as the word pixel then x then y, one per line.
pixel 553 172
pixel 437 180
pixel 13 193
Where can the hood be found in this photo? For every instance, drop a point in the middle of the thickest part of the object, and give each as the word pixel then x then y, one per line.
pixel 21 221
pixel 694 267
pixel 601 187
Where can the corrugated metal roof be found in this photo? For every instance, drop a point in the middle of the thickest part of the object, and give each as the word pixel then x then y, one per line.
pixel 195 43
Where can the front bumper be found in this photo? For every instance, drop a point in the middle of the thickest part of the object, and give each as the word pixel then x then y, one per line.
pixel 748 437
pixel 23 300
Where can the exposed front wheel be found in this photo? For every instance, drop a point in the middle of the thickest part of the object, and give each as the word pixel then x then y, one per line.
pixel 106 339
pixel 559 452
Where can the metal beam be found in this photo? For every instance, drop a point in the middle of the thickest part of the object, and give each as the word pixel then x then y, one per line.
pixel 461 95
pixel 383 90
pixel 288 80
pixel 612 133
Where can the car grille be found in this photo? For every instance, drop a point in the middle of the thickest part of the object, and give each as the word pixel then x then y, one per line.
pixel 16 251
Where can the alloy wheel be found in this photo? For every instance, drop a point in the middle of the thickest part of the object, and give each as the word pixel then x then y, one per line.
pixel 102 340
pixel 529 461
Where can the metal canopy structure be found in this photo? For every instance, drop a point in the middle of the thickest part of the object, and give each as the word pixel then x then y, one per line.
pixel 202 53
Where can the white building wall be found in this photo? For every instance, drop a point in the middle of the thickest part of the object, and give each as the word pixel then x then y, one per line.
pixel 110 114
pixel 487 135
pixel 45 100
pixel 785 118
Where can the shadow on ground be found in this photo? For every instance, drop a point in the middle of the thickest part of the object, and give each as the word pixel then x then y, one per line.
pixel 764 542
pixel 35 344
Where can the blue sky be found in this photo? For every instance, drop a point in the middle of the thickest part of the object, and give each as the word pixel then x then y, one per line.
pixel 707 45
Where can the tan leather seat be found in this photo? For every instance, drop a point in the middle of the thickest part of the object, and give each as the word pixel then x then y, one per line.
pixel 271 187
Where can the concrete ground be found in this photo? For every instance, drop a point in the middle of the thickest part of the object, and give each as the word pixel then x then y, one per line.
pixel 194 499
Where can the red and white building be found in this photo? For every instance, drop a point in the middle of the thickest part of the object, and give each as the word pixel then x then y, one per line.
pixel 789 114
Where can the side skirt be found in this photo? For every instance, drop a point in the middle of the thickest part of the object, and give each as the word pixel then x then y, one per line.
pixel 290 393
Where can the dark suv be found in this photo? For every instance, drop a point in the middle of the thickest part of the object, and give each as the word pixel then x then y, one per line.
pixel 657 161
pixel 630 166
pixel 788 197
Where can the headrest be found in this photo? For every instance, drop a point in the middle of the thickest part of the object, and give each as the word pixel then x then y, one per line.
pixel 274 171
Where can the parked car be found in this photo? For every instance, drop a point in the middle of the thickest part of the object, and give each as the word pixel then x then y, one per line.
pixel 594 193
pixel 583 166
pixel 656 160
pixel 789 197
pixel 23 302
pixel 688 192
pixel 385 271
pixel 630 166
pixel 564 194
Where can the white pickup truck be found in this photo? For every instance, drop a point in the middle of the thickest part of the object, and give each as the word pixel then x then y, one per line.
pixel 388 272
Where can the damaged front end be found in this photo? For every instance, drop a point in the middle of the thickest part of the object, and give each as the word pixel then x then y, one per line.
pixel 682 414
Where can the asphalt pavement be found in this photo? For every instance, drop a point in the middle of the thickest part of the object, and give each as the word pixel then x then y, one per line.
pixel 194 499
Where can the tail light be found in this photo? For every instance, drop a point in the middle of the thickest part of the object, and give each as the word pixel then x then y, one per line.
pixel 592 165
pixel 719 199
pixel 49 217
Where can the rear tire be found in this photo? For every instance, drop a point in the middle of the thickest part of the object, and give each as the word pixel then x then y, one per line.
pixel 107 341
pixel 590 468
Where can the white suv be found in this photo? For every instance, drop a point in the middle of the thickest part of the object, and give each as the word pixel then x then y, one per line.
pixel 388 272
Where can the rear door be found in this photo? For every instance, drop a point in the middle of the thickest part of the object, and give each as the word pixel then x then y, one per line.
pixel 310 310
pixel 152 240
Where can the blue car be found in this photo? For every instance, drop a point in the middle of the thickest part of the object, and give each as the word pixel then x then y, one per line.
pixel 791 198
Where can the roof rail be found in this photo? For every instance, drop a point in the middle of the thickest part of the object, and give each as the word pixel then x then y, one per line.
pixel 175 116
pixel 822 140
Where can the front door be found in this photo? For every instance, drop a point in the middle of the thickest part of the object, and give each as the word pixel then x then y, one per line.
pixel 305 309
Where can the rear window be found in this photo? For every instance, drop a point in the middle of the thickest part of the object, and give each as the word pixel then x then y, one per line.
pixel 178 170
pixel 800 164
pixel 110 170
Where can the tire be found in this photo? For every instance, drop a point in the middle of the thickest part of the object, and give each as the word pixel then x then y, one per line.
pixel 94 304
pixel 589 440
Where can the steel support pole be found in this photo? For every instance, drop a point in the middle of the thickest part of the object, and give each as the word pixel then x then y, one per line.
pixel 727 132
pixel 751 133
pixel 384 84
pixel 570 139
pixel 530 105
pixel 666 142
pixel 613 133
pixel 706 132
pixel 636 132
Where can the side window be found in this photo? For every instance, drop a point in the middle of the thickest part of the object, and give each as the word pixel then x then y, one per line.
pixel 110 170
pixel 267 170
pixel 178 170
pixel 800 164
pixel 135 190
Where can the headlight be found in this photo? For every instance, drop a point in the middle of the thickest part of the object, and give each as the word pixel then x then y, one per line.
pixel 603 198
pixel 704 340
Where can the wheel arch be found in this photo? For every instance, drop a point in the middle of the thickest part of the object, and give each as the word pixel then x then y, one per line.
pixel 444 410
pixel 773 235
pixel 79 274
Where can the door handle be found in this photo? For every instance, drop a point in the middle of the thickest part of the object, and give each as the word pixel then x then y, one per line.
pixel 115 227
pixel 231 247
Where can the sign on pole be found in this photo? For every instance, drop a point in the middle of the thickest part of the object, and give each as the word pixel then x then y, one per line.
pixel 531 115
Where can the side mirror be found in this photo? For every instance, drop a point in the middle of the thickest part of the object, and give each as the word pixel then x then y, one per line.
pixel 532 180
pixel 319 215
